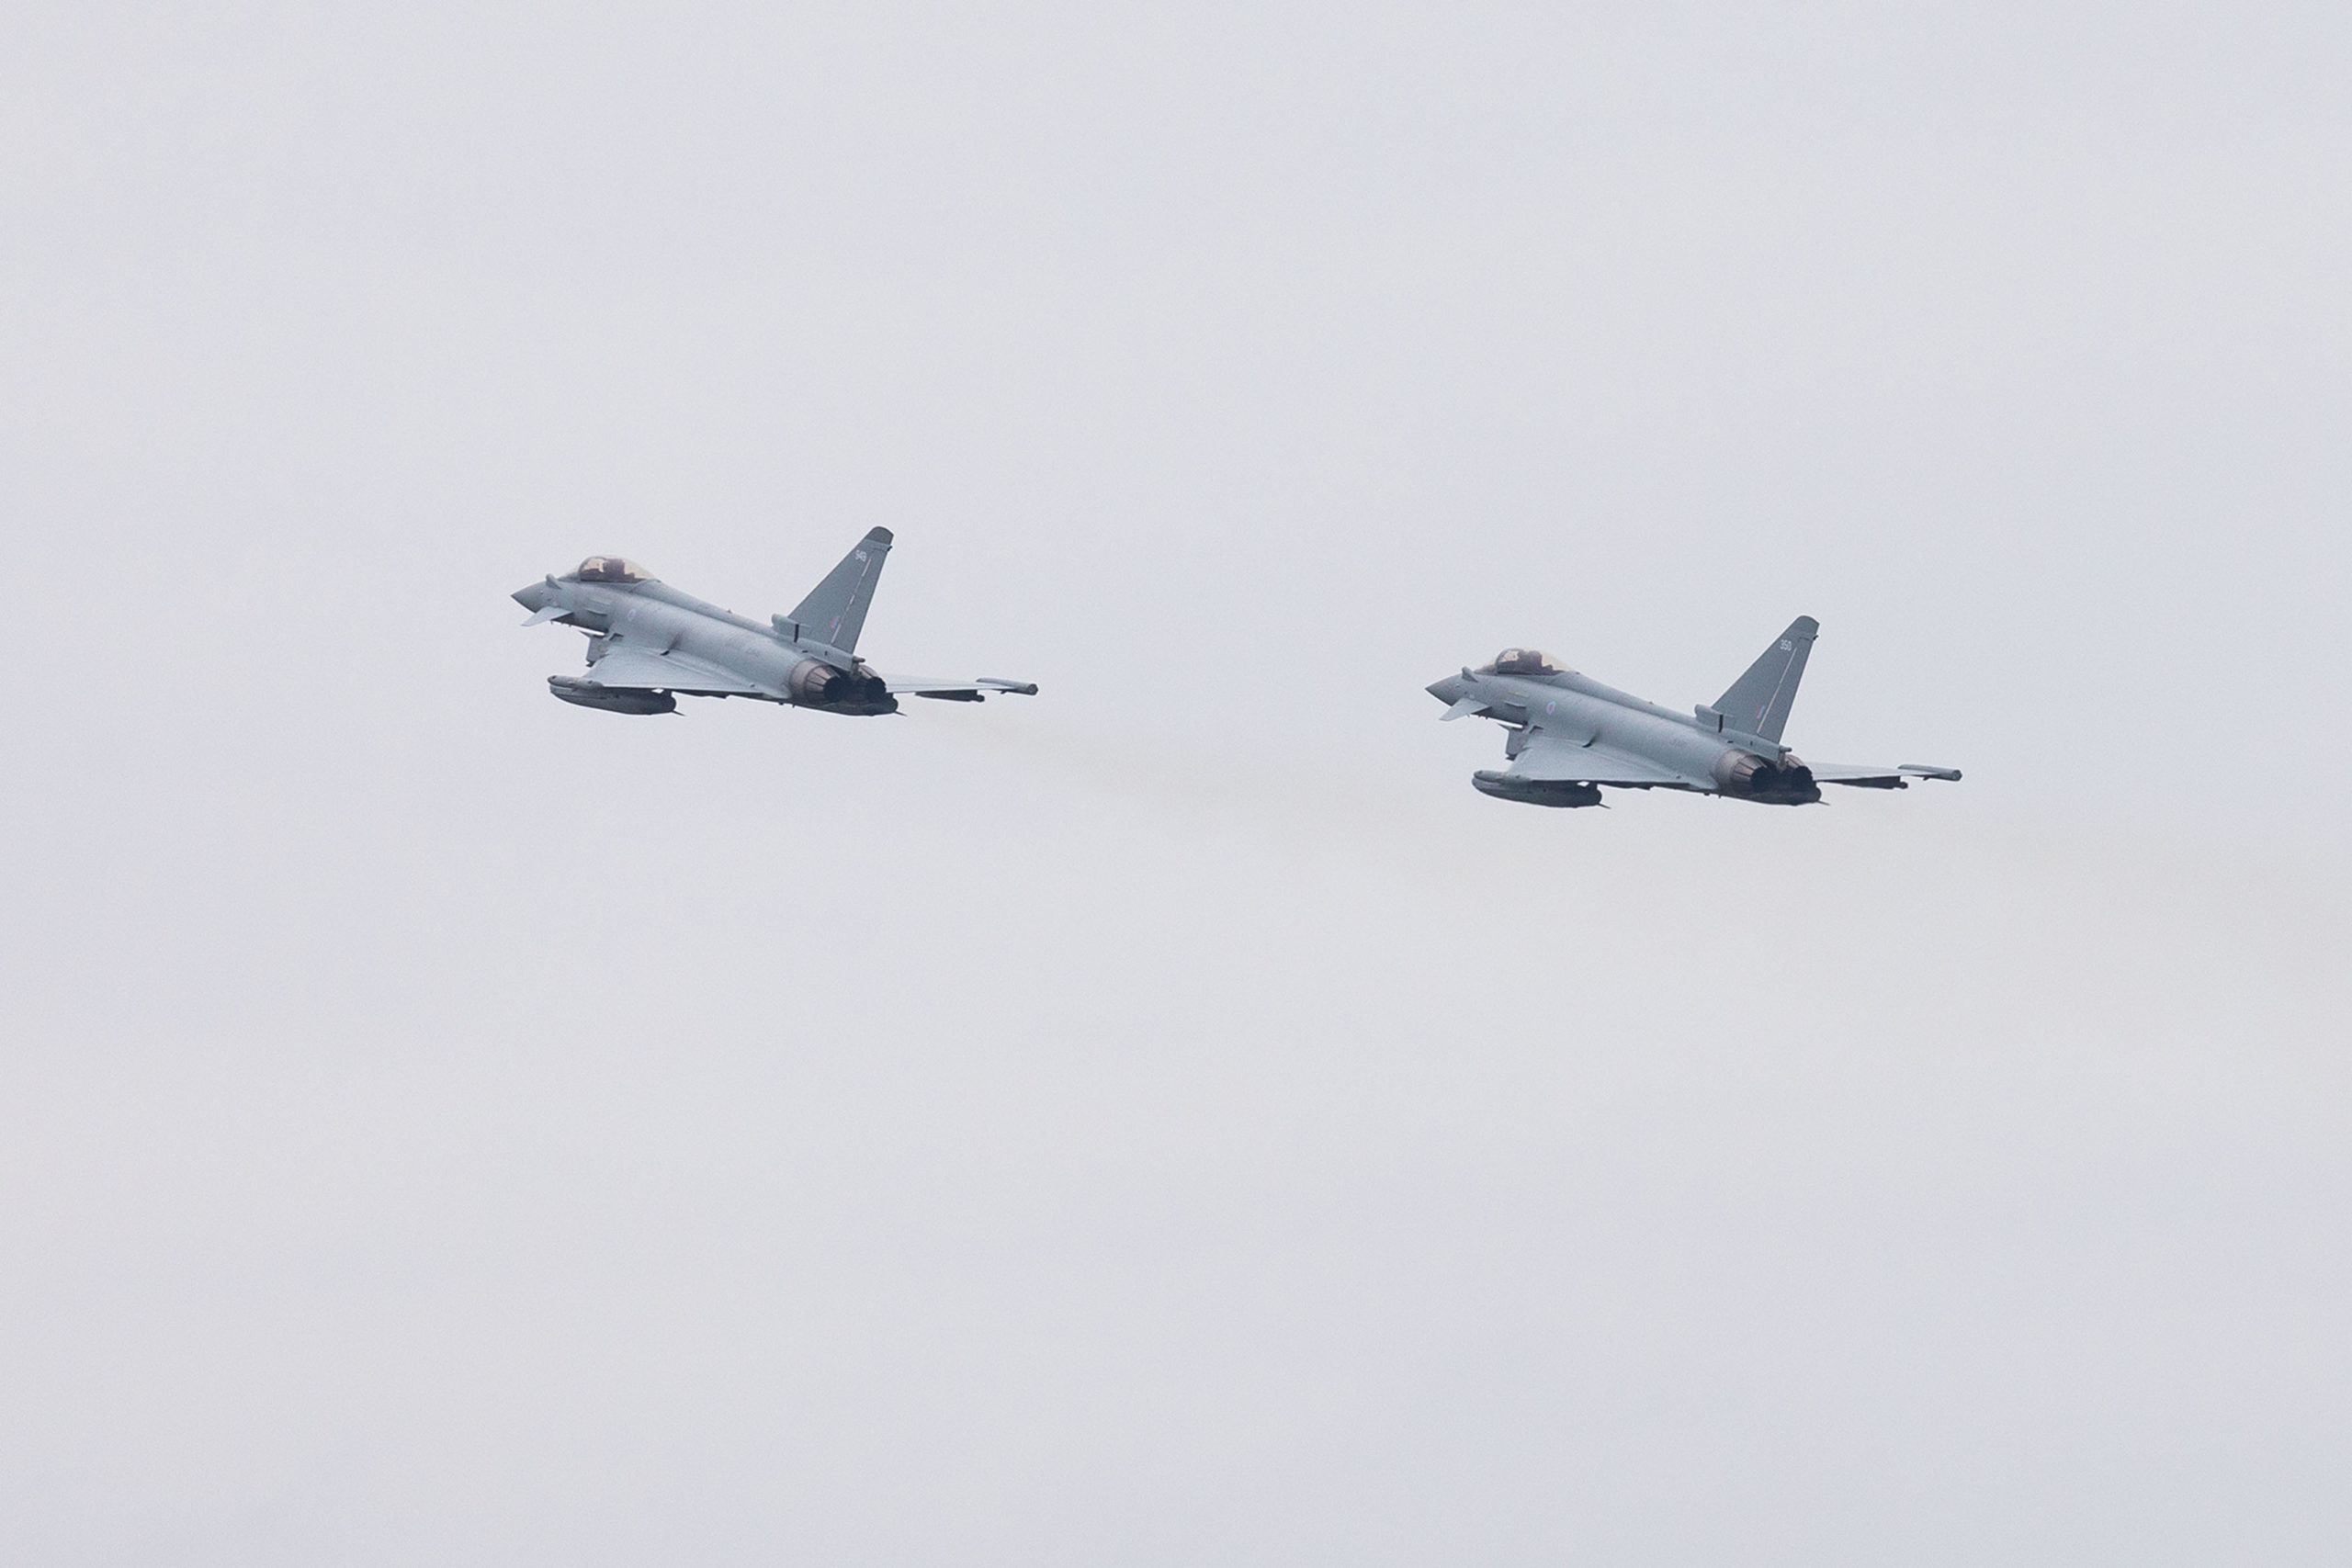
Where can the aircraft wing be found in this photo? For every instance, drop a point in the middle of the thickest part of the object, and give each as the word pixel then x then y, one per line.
pixel 1550 759
pixel 960 690
pixel 1862 775
pixel 643 668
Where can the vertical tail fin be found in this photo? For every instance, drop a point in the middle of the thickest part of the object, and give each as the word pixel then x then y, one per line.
pixel 1759 701
pixel 834 611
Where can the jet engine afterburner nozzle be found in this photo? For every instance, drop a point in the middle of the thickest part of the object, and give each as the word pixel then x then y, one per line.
pixel 818 685
pixel 1750 777
pixel 810 681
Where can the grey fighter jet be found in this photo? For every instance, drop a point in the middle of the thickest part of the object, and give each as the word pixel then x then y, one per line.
pixel 1571 736
pixel 648 645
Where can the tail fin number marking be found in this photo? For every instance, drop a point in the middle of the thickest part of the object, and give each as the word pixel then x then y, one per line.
pixel 1759 701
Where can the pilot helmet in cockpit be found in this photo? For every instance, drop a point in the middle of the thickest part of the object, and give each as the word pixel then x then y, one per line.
pixel 611 569
pixel 1524 661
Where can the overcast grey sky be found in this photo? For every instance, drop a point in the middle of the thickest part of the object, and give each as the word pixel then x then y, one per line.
pixel 1175 1121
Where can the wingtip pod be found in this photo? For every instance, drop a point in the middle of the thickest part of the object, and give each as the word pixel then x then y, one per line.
pixel 1922 770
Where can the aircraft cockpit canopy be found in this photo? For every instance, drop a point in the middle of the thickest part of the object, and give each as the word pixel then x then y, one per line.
pixel 612 569
pixel 1524 661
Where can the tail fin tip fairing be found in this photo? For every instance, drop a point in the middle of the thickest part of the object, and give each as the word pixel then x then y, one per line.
pixel 835 612
pixel 1760 701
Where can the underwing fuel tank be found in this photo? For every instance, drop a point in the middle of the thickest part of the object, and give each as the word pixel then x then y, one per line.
pixel 588 695
pixel 1535 792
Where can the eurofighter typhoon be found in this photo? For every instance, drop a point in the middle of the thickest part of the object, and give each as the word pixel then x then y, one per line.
pixel 648 645
pixel 1571 736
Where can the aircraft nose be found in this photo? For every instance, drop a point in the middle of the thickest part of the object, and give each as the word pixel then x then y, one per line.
pixel 534 597
pixel 1449 691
